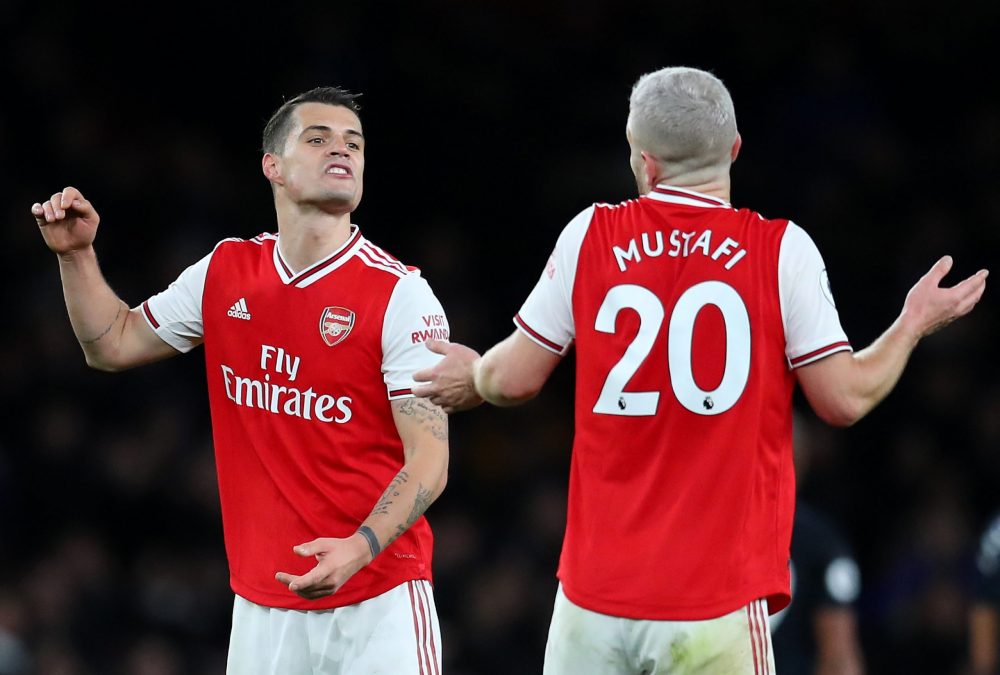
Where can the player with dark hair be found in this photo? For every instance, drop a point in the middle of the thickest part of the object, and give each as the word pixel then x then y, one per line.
pixel 692 321
pixel 326 461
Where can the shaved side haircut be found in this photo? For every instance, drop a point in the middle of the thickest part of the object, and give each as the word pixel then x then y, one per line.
pixel 684 117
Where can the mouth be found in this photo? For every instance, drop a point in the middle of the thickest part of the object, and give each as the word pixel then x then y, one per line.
pixel 339 170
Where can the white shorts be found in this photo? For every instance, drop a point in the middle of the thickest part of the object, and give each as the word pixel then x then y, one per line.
pixel 582 642
pixel 396 632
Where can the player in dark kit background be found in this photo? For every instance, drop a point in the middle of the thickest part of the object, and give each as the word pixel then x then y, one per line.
pixel 818 632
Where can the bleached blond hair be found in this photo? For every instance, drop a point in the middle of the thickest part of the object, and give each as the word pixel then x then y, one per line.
pixel 684 117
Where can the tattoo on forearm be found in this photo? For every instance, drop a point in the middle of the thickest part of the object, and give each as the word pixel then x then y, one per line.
pixel 372 540
pixel 106 330
pixel 430 416
pixel 420 504
pixel 391 492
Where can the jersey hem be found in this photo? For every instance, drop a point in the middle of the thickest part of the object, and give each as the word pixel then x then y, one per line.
pixel 284 601
pixel 777 599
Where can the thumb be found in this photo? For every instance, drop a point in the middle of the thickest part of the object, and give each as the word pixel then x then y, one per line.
pixel 307 549
pixel 940 269
pixel 438 346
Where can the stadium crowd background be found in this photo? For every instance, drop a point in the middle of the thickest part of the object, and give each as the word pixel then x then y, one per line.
pixel 876 126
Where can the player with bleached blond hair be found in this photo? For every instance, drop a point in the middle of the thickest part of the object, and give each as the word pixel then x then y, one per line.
pixel 693 321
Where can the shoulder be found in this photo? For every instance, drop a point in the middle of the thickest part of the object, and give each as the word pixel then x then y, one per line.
pixel 260 242
pixel 378 259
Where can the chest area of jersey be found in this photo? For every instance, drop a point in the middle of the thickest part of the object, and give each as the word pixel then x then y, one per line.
pixel 329 331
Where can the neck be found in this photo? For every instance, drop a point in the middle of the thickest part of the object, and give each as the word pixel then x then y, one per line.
pixel 709 182
pixel 307 236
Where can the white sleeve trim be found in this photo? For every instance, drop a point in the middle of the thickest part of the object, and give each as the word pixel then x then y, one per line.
pixel 175 314
pixel 808 311
pixel 547 315
pixel 412 316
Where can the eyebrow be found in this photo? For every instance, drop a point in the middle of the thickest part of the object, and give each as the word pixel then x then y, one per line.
pixel 326 129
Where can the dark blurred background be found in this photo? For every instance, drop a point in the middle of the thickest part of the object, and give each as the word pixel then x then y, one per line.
pixel 876 126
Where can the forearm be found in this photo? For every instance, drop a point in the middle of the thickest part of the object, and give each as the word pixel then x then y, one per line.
pixel 96 312
pixel 513 371
pixel 421 481
pixel 878 367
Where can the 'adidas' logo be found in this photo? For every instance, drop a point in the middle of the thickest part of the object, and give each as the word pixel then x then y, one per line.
pixel 239 310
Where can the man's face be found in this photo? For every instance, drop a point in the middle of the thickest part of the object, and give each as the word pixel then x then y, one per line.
pixel 323 160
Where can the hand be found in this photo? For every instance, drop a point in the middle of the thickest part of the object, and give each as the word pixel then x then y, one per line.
pixel 452 381
pixel 929 307
pixel 337 561
pixel 68 221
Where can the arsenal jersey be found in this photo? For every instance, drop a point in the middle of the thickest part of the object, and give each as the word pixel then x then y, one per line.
pixel 688 317
pixel 301 367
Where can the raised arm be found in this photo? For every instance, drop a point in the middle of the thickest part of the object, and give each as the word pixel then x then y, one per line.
pixel 423 428
pixel 112 336
pixel 844 387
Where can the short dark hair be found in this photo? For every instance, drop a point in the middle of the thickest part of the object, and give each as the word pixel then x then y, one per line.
pixel 277 128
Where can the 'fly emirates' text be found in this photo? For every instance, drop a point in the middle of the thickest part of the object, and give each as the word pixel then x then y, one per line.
pixel 277 399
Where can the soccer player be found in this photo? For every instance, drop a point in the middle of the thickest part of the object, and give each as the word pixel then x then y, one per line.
pixel 818 632
pixel 984 614
pixel 692 321
pixel 326 461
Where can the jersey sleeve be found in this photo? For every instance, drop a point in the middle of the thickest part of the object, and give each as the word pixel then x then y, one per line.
pixel 987 586
pixel 175 313
pixel 412 317
pixel 546 317
pixel 812 324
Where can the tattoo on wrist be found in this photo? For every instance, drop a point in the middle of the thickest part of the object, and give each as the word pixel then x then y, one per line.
pixel 106 330
pixel 373 544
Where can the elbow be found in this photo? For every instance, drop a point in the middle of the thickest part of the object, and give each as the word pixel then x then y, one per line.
pixel 844 413
pixel 103 363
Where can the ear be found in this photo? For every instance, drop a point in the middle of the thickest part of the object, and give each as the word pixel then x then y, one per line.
pixel 737 144
pixel 269 165
pixel 650 170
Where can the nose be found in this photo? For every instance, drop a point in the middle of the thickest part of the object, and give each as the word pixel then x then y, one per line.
pixel 337 147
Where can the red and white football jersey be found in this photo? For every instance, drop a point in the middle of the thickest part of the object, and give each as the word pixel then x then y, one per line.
pixel 688 316
pixel 301 367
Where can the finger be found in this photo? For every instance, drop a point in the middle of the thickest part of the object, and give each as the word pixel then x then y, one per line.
pixel 308 549
pixel 50 214
pixel 38 212
pixel 285 578
pixel 83 207
pixel 310 581
pixel 438 346
pixel 425 375
pixel 423 390
pixel 69 195
pixel 940 269
pixel 56 201
pixel 972 285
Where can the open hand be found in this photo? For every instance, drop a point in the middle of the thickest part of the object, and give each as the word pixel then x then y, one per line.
pixel 929 306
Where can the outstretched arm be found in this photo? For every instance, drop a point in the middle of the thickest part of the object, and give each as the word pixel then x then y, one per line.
pixel 423 428
pixel 112 336
pixel 510 373
pixel 844 387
